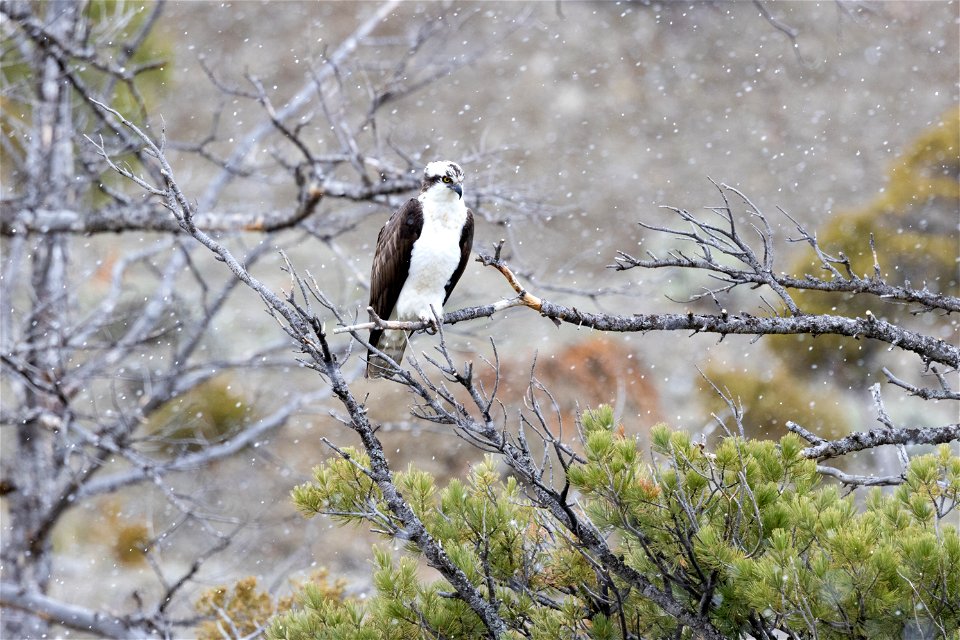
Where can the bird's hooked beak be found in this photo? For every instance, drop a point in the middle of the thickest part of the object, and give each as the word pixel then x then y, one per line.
pixel 456 188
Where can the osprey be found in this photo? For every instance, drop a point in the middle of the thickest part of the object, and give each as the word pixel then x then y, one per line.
pixel 421 253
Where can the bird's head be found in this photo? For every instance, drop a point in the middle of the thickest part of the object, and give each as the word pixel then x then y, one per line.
pixel 442 175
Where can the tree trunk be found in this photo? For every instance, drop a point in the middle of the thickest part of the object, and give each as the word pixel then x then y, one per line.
pixel 38 460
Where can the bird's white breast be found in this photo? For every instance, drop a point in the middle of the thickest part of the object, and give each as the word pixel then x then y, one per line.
pixel 435 257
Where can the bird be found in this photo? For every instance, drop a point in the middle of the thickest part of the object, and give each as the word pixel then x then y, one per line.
pixel 421 252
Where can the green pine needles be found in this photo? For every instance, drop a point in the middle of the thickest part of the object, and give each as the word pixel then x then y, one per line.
pixel 745 534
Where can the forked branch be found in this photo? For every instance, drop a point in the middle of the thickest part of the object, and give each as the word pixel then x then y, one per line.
pixel 752 267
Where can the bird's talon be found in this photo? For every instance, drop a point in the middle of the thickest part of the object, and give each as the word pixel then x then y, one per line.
pixel 432 327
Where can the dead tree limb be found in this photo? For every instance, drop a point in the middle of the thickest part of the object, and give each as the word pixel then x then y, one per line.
pixel 928 348
pixel 72 615
pixel 307 332
pixel 860 440
pixel 752 267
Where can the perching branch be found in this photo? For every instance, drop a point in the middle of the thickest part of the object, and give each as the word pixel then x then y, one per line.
pixel 523 299
pixel 928 348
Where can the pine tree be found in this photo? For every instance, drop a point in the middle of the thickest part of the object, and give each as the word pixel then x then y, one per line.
pixel 745 533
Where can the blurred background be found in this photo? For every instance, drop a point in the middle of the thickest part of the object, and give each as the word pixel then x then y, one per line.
pixel 573 122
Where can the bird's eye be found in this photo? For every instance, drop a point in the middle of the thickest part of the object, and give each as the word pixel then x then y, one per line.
pixel 447 179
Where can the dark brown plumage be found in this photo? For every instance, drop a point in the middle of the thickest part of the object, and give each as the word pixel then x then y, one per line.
pixel 391 261
pixel 394 250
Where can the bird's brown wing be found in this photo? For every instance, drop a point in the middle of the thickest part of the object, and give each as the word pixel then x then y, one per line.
pixel 391 260
pixel 466 244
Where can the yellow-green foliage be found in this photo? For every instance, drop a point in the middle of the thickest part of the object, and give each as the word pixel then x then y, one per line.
pixel 914 223
pixel 207 414
pixel 780 544
pixel 484 521
pixel 238 611
pixel 745 528
pixel 131 544
pixel 130 536
pixel 109 21
pixel 769 401
pixel 234 612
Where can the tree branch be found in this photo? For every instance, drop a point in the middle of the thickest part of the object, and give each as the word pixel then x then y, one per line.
pixel 414 528
pixel 73 616
pixel 150 470
pixel 749 268
pixel 943 393
pixel 861 440
pixel 927 347
pixel 872 286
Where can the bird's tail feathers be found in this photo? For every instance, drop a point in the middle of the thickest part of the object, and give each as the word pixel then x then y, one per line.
pixel 392 344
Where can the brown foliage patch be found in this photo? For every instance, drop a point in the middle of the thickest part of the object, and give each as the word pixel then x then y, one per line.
pixel 587 374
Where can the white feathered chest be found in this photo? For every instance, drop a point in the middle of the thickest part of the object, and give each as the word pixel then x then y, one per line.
pixel 435 255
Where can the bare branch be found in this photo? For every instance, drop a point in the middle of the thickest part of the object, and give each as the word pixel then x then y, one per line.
pixel 928 348
pixel 737 276
pixel 860 480
pixel 302 96
pixel 750 270
pixel 73 616
pixel 944 393
pixel 861 440
pixel 382 475
pixel 149 470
